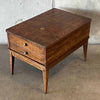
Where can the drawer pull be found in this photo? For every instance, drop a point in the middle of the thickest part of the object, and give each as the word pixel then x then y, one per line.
pixel 24 44
pixel 25 53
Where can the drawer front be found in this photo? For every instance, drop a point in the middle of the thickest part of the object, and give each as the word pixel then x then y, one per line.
pixel 26 44
pixel 27 53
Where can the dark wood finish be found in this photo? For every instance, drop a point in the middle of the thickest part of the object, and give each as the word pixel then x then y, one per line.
pixel 11 62
pixel 60 49
pixel 30 54
pixel 57 24
pixel 45 40
pixel 85 50
pixel 29 45
pixel 67 53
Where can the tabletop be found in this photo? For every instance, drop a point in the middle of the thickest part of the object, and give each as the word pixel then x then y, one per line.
pixel 49 27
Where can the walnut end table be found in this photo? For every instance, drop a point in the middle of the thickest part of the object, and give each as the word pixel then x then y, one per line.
pixel 45 40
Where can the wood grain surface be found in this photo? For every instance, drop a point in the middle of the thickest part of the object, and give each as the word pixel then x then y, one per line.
pixel 45 40
pixel 56 23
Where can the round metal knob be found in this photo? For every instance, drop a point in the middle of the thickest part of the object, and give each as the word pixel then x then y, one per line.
pixel 25 53
pixel 24 44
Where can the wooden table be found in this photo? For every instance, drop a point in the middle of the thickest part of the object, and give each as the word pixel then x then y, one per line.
pixel 45 40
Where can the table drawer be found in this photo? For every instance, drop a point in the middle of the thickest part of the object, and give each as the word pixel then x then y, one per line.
pixel 28 53
pixel 26 44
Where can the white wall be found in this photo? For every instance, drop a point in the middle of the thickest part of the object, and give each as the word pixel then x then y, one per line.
pixel 89 8
pixel 15 11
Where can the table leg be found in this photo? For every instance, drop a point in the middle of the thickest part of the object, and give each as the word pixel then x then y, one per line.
pixel 11 62
pixel 45 80
pixel 85 50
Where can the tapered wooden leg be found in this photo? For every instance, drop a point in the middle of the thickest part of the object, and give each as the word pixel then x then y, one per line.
pixel 45 80
pixel 85 50
pixel 11 62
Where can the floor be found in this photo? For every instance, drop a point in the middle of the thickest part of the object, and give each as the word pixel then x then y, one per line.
pixel 71 79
